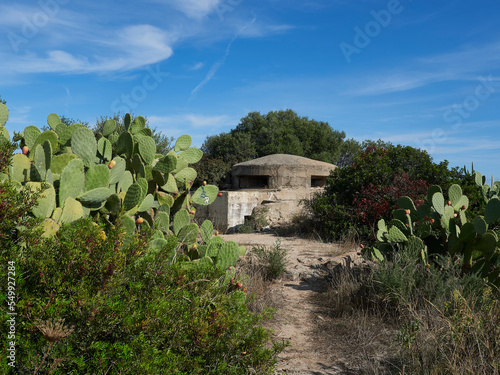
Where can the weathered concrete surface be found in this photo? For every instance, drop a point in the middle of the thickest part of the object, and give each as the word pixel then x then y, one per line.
pixel 277 182
pixel 229 210
pixel 280 171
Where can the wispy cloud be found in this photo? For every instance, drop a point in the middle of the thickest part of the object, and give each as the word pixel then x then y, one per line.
pixel 196 66
pixel 462 65
pixel 126 49
pixel 215 67
pixel 195 9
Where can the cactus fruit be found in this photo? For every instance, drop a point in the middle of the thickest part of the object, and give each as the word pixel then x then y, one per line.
pixel 111 164
pixel 139 220
pixel 25 150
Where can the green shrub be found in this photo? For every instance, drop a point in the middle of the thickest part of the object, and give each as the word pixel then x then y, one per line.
pixel 357 196
pixel 273 259
pixel 130 308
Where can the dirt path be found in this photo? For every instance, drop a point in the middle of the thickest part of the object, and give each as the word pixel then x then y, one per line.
pixel 300 311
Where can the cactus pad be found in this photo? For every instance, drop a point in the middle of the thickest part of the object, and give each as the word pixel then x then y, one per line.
pixel 170 186
pixel 125 182
pixel 46 201
pixel 49 227
pixel 454 194
pixel 181 219
pixel 147 203
pixel 188 234
pixel 125 144
pixel 53 120
pixel 59 162
pixel 133 197
pixel 113 204
pixel 164 199
pixel 191 155
pixel 84 145
pixel 4 134
pixel 182 143
pixel 72 180
pixel 207 231
pixel 4 114
pixel 65 137
pixel 205 195
pixel 138 124
pixel 50 136
pixel 117 172
pixel 166 164
pixel 186 174
pixel 480 225
pixel 228 255
pixel 72 210
pixel 105 148
pixel 431 191
pixel 147 149
pixel 438 202
pixel 158 177
pixel 31 133
pixel 109 127
pixel 492 212
pixel 396 235
pixel 95 196
pixel 162 221
pixel 97 176
pixel 406 203
pixel 21 166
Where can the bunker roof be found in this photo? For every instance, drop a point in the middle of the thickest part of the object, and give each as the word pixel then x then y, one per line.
pixel 279 160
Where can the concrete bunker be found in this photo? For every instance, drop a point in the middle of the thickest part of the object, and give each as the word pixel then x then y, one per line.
pixel 279 182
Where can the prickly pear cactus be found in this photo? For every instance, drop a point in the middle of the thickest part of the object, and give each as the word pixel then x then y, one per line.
pixel 440 225
pixel 118 176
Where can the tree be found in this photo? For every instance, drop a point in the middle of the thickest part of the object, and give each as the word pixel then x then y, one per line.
pixel 357 195
pixel 278 132
pixel 69 121
pixel 163 143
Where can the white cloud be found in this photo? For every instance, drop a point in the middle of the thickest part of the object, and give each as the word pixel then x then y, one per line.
pixel 129 48
pixel 189 120
pixel 196 66
pixel 195 9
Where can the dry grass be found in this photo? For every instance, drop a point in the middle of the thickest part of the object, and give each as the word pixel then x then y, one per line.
pixel 265 295
pixel 354 328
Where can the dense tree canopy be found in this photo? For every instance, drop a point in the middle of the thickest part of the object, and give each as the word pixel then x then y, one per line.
pixel 278 132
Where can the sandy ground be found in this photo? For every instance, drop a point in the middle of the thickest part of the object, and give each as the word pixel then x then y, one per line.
pixel 300 311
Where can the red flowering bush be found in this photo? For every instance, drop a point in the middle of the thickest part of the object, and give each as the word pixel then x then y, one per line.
pixel 357 196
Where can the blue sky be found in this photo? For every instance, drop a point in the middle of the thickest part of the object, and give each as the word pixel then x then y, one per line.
pixel 419 73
